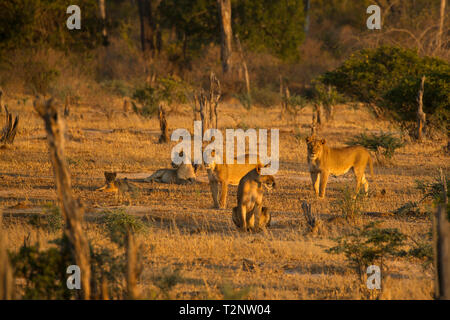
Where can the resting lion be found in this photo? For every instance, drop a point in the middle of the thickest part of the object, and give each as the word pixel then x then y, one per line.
pixel 249 214
pixel 180 174
pixel 225 174
pixel 323 161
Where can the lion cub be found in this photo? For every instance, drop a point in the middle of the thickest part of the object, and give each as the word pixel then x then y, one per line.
pixel 323 161
pixel 249 213
pixel 119 186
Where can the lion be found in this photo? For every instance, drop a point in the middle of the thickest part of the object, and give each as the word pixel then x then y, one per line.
pixel 185 173
pixel 118 186
pixel 323 161
pixel 225 174
pixel 249 214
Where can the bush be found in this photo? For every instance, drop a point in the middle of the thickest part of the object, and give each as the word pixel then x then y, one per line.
pixel 351 204
pixel 44 272
pixel 390 77
pixel 370 246
pixel 51 220
pixel 118 223
pixel 265 97
pixel 167 89
pixel 373 142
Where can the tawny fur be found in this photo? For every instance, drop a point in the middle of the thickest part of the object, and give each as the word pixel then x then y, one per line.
pixel 323 161
pixel 222 175
pixel 249 213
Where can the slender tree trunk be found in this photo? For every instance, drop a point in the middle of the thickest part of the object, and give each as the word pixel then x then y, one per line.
pixel 244 65
pixel 147 27
pixel 72 209
pixel 441 25
pixel 421 116
pixel 226 33
pixel 7 286
pixel 307 4
pixel 102 7
pixel 441 235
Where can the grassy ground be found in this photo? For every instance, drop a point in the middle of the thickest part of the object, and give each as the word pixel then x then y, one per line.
pixel 185 233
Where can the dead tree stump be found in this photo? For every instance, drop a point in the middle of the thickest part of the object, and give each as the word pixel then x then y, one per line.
pixel 164 137
pixel 9 131
pixel 421 116
pixel 72 209
pixel 312 221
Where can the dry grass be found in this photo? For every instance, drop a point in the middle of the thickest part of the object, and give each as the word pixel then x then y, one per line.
pixel 185 233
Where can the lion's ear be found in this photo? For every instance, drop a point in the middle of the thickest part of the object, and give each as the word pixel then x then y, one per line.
pixel 258 170
pixel 323 141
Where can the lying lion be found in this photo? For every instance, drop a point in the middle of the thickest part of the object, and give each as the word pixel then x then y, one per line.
pixel 180 174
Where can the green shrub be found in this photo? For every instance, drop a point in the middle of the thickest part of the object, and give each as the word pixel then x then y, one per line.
pixel 118 223
pixel 386 141
pixel 51 219
pixel 167 280
pixel 390 77
pixel 265 97
pixel 370 246
pixel 43 271
pixel 351 204
pixel 230 293
pixel 170 90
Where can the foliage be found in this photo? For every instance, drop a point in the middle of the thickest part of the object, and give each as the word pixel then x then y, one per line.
pixel 275 26
pixel 433 190
pixel 38 23
pixel 105 266
pixel 390 77
pixel 265 97
pixel 44 271
pixel 373 142
pixel 167 280
pixel 118 223
pixel 195 23
pixel 166 89
pixel 40 76
pixel 370 246
pixel 50 220
pixel 351 204
pixel 230 293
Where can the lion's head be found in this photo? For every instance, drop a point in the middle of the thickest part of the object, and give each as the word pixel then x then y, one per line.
pixel 315 147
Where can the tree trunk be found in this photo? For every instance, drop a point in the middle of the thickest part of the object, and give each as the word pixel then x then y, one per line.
pixel 147 28
pixel 102 8
pixel 134 267
pixel 244 65
pixel 441 235
pixel 441 25
pixel 226 34
pixel 306 4
pixel 164 137
pixel 7 285
pixel 72 210
pixel 421 116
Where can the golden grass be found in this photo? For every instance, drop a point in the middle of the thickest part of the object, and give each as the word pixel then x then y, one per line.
pixel 186 233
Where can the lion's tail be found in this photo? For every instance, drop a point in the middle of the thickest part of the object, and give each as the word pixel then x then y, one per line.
pixel 371 166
